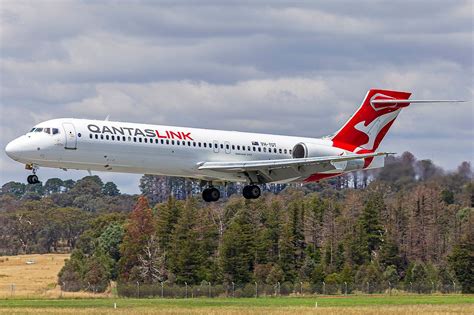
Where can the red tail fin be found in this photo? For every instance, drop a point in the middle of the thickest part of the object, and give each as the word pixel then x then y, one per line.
pixel 364 131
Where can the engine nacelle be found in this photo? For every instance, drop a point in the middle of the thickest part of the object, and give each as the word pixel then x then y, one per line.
pixel 305 150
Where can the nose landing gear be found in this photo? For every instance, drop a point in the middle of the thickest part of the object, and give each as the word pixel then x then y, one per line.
pixel 32 179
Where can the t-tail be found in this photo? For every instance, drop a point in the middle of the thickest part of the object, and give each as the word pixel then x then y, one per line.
pixel 364 131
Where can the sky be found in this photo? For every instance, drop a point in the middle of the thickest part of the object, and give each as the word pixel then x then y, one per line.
pixel 295 68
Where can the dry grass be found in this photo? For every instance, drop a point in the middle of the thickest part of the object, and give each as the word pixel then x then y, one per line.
pixel 383 310
pixel 30 279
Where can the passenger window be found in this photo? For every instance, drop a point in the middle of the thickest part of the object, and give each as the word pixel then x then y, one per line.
pixel 290 151
pixel 113 137
pixel 205 144
pixel 107 137
pixel 264 149
pixel 222 146
pixel 286 151
pixel 194 144
pixel 254 149
pixel 248 148
pixel 210 145
pixel 172 142
pixel 216 145
pixel 238 147
pixel 90 135
pixel 55 131
pixel 227 146
pixel 146 140
pixel 124 139
pixel 259 149
pixel 134 139
pixel 167 142
pixel 233 147
pixel 156 141
pixel 199 144
pixel 96 136
pixel 279 150
pixel 189 143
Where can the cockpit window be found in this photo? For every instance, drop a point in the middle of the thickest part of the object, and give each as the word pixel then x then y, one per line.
pixel 32 129
pixel 38 129
pixel 55 131
pixel 47 130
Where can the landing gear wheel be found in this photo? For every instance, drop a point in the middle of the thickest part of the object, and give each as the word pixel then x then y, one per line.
pixel 211 194
pixel 32 179
pixel 251 192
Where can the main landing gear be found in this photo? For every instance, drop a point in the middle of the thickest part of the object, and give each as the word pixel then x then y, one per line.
pixel 251 192
pixel 211 194
pixel 32 179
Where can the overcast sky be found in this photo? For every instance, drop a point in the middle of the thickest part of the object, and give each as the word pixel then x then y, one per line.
pixel 297 68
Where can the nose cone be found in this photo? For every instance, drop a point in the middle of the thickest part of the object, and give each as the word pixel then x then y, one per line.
pixel 13 149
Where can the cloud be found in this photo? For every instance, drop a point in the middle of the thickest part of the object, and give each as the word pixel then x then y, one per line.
pixel 268 67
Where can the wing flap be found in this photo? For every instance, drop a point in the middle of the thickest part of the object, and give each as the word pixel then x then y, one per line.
pixel 259 165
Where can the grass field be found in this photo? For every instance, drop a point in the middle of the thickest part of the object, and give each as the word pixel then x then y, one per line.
pixel 406 304
pixel 35 292
pixel 29 275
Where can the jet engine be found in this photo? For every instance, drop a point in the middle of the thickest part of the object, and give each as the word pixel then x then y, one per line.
pixel 305 150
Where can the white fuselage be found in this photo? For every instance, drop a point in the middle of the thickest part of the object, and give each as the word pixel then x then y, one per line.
pixel 153 149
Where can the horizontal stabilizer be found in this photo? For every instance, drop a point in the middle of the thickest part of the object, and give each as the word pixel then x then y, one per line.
pixel 394 101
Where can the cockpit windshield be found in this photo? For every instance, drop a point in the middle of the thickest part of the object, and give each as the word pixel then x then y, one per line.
pixel 49 131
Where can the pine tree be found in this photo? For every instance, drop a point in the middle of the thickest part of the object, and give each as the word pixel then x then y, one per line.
pixel 186 257
pixel 461 261
pixel 138 230
pixel 370 222
pixel 238 248
pixel 167 217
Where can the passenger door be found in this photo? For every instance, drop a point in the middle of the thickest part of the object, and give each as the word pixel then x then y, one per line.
pixel 71 137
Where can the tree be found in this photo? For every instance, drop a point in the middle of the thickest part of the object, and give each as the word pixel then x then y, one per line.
pixel 138 230
pixel 109 243
pixel 167 217
pixel 14 188
pixel 417 278
pixel 237 249
pixel 96 277
pixel 461 261
pixel 53 185
pixel 110 189
pixel 151 263
pixel 186 257
pixel 370 222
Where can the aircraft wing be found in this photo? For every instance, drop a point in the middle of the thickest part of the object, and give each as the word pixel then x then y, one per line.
pixel 269 165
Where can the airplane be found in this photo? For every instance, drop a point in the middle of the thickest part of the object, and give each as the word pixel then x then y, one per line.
pixel 213 156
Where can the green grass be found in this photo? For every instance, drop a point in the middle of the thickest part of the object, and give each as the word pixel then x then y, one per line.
pixel 326 301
